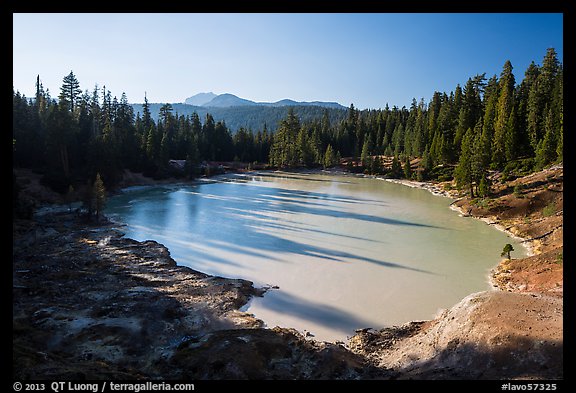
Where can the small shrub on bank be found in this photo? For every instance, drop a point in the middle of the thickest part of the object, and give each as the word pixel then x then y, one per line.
pixel 520 167
pixel 482 203
pixel 518 191
pixel 549 210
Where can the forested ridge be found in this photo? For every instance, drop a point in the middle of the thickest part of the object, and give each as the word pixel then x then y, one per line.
pixel 488 124
pixel 250 117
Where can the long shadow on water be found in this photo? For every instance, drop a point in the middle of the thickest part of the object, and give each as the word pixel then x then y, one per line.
pixel 254 222
pixel 322 314
pixel 254 227
pixel 269 199
pixel 292 176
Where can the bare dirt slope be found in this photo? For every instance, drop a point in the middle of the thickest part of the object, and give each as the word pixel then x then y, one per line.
pixel 488 335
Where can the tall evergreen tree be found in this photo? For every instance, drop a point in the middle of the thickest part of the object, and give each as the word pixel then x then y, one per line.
pixel 512 137
pixel 491 96
pixel 99 193
pixel 61 130
pixel 463 172
pixel 70 91
pixel 329 157
pixel 503 135
pixel 306 156
pixel 396 169
pixel 146 115
pixel 522 97
pixel 541 96
pixel 365 156
pixel 284 152
pixel 546 151
pixel 407 168
pixel 560 146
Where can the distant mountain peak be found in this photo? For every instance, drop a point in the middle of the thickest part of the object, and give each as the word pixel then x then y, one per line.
pixel 227 100
pixel 200 99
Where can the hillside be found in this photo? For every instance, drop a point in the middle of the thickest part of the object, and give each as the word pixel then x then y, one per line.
pixel 250 116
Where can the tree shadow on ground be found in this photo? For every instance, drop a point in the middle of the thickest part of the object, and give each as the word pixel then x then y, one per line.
pixel 518 358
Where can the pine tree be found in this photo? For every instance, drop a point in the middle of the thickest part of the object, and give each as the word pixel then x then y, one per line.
pixel 425 166
pixel 506 251
pixel 460 129
pixel 99 195
pixel 477 157
pixel 396 170
pixel 522 98
pixel 504 136
pixel 398 138
pixel 407 168
pixel 364 157
pixel 146 115
pixel 329 157
pixel 471 108
pixel 541 95
pixel 164 150
pixel 463 172
pixel 70 91
pixel 376 167
pixel 152 144
pixel 512 138
pixel 61 130
pixel 560 146
pixel 484 187
pixel 489 118
pixel 546 151
pixel 284 151
pixel 305 153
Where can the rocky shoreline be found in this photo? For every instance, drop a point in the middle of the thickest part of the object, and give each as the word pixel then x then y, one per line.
pixel 91 304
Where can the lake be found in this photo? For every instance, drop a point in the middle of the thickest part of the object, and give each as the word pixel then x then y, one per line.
pixel 346 252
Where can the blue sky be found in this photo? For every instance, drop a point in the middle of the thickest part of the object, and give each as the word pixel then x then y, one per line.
pixel 365 59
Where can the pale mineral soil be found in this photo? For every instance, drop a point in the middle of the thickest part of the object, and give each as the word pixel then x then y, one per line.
pixel 91 304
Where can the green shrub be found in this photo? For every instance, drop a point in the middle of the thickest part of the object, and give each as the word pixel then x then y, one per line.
pixel 442 173
pixel 482 202
pixel 549 210
pixel 505 175
pixel 520 167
